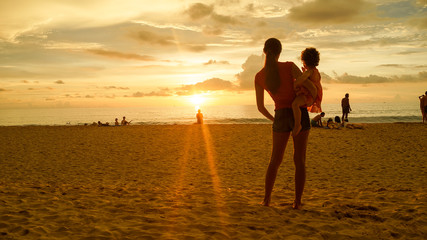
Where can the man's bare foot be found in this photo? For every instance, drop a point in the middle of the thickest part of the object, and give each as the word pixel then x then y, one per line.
pixel 265 203
pixel 296 130
pixel 297 205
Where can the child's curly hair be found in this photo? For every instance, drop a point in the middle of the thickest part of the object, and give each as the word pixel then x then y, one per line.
pixel 310 57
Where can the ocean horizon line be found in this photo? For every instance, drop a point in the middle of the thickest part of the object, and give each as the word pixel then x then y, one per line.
pixel 238 114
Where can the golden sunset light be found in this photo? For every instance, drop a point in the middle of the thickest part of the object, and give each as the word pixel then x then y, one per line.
pixel 215 119
pixel 197 101
pixel 74 54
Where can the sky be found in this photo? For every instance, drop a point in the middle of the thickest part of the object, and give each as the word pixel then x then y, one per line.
pixel 106 53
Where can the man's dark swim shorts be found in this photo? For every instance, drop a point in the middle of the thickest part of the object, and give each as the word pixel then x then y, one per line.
pixel 346 109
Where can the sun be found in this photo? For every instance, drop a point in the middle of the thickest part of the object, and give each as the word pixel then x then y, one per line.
pixel 197 100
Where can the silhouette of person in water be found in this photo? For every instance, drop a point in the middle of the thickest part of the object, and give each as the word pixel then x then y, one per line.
pixel 345 104
pixel 199 117
pixel 277 78
pixel 116 123
pixel 423 106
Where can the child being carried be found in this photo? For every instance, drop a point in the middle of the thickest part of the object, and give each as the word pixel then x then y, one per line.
pixel 307 87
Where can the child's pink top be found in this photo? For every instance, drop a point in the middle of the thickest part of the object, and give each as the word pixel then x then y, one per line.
pixel 316 106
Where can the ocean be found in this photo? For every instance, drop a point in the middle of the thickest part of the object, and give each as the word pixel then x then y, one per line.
pixel 362 113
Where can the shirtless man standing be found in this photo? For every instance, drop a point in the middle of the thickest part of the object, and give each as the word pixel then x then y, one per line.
pixel 345 104
pixel 423 106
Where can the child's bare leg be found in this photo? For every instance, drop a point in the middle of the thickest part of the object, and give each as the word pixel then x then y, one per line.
pixel 309 85
pixel 299 101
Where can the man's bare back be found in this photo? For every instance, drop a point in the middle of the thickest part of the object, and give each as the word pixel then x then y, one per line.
pixel 423 107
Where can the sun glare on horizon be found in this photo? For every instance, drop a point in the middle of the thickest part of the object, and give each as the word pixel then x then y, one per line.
pixel 197 100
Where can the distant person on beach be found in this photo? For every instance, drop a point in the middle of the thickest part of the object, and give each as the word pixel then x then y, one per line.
pixel 116 123
pixel 309 90
pixel 199 117
pixel 337 119
pixel 125 122
pixel 317 120
pixel 423 106
pixel 330 124
pixel 277 78
pixel 345 104
pixel 100 124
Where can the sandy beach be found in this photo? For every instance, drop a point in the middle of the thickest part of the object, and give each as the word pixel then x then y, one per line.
pixel 206 182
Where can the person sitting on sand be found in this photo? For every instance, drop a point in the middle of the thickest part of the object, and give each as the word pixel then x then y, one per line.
pixel 124 122
pixel 199 117
pixel 309 90
pixel 116 123
pixel 423 106
pixel 337 120
pixel 100 124
pixel 329 123
pixel 332 125
pixel 317 120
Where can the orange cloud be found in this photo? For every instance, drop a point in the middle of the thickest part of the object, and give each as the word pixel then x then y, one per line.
pixel 163 92
pixel 211 62
pixel 114 54
pixel 144 36
pixel 199 10
pixel 418 22
pixel 114 87
pixel 327 11
pixel 152 38
pixel 213 84
pixel 352 79
pixel 251 67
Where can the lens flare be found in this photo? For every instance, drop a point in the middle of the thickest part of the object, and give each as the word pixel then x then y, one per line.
pixel 197 100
